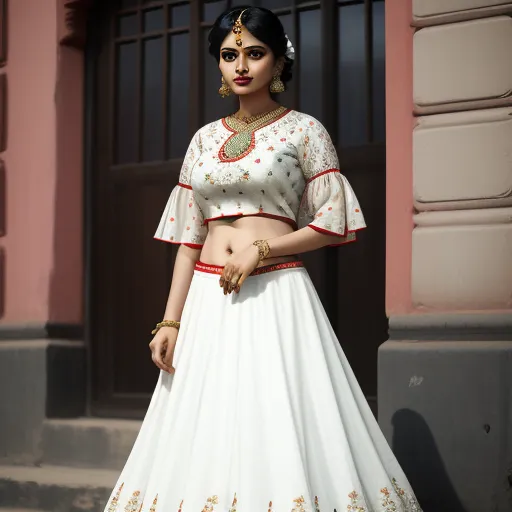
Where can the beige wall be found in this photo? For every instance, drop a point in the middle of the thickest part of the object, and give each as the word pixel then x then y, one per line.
pixel 449 169
pixel 42 245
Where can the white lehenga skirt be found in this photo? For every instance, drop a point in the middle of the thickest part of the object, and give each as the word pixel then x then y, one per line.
pixel 262 414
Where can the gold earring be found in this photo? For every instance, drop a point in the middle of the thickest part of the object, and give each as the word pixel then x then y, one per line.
pixel 276 85
pixel 224 90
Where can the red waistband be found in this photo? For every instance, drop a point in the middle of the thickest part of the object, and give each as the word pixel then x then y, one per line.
pixel 217 269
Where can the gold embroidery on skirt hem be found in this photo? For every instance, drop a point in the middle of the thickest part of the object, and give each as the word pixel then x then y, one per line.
pixel 388 504
pixel 354 506
pixel 409 502
pixel 210 503
pixel 233 505
pixel 114 502
pixel 153 507
pixel 299 504
pixel 134 503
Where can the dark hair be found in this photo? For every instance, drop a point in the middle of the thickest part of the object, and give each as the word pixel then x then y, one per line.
pixel 262 24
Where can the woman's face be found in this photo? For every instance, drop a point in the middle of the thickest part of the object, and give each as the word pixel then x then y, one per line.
pixel 248 68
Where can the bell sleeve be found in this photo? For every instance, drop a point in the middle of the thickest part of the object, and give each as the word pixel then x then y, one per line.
pixel 328 204
pixel 182 221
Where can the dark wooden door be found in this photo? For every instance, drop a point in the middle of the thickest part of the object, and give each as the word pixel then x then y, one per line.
pixel 152 84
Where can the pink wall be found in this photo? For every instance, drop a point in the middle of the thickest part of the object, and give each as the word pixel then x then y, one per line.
pixel 42 245
pixel 399 125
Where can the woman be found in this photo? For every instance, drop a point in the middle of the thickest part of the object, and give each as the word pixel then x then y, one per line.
pixel 256 406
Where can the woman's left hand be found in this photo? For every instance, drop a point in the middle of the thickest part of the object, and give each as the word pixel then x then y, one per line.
pixel 238 268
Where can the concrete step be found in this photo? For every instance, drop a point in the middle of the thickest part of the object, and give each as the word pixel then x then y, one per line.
pixel 55 489
pixel 88 442
pixel 21 510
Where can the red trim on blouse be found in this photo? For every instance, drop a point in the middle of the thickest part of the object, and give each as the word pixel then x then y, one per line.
pixel 222 154
pixel 269 215
pixel 332 233
pixel 192 246
pixel 326 231
pixel 184 185
pixel 217 269
pixel 321 174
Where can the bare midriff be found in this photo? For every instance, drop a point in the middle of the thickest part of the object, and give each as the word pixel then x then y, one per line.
pixel 230 235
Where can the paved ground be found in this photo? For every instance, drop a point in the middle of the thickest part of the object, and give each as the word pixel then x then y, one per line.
pixel 50 475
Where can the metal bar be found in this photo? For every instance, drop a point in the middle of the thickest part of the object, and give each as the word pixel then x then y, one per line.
pixel 368 31
pixel 153 35
pixel 296 66
pixel 166 79
pixel 140 88
pixel 350 2
pixel 196 70
pixel 329 56
pixel 112 118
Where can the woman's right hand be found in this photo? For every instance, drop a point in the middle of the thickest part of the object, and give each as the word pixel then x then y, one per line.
pixel 162 348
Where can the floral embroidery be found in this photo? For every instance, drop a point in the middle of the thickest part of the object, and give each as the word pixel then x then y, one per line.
pixel 388 504
pixel 233 505
pixel 210 502
pixel 357 502
pixel 354 506
pixel 114 502
pixel 407 499
pixel 299 504
pixel 134 502
pixel 153 506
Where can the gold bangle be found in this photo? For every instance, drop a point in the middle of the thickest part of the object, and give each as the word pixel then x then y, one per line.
pixel 263 248
pixel 166 323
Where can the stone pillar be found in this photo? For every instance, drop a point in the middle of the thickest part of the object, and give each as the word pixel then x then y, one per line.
pixel 445 375
pixel 42 353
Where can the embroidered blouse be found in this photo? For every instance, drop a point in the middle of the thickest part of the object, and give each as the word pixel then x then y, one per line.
pixel 285 169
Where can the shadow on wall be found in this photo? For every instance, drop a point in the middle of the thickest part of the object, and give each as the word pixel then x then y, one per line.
pixel 417 453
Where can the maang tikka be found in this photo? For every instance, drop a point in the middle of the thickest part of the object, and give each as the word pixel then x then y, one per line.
pixel 237 29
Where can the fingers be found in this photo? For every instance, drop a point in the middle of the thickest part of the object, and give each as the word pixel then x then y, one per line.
pixel 168 357
pixel 157 353
pixel 229 279
pixel 225 277
pixel 243 277
pixel 230 286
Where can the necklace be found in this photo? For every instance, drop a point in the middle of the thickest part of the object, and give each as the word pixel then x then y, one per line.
pixel 251 119
pixel 241 142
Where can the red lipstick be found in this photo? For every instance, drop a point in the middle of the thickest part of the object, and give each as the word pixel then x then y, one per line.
pixel 243 80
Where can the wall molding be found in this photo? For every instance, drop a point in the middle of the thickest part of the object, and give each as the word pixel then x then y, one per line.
pixel 484 217
pixel 38 331
pixel 456 17
pixel 468 326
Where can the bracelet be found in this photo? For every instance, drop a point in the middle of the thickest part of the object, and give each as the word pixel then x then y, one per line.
pixel 263 248
pixel 165 323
